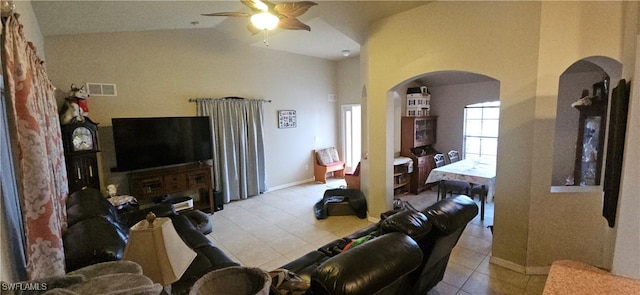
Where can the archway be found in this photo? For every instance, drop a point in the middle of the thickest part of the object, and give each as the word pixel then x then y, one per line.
pixel 451 92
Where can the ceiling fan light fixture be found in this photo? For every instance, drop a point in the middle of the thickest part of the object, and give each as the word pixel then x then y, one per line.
pixel 264 21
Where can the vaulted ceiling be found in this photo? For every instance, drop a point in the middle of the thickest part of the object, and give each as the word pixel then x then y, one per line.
pixel 335 25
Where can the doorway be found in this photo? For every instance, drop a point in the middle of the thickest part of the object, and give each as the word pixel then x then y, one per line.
pixel 352 134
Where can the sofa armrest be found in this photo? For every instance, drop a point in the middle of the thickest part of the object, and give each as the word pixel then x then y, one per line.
pixel 108 268
pixel 91 241
pixel 369 267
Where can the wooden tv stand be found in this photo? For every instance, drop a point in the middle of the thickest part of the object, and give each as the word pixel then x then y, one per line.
pixel 149 184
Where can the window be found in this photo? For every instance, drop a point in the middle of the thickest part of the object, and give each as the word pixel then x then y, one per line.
pixel 481 130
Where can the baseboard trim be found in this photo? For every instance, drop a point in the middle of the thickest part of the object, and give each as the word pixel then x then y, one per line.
pixel 533 270
pixel 508 264
pixel 286 185
pixel 538 270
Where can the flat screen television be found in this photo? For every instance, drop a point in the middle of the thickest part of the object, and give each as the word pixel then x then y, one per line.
pixel 142 143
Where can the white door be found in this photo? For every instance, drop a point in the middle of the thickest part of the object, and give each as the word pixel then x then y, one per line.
pixel 351 130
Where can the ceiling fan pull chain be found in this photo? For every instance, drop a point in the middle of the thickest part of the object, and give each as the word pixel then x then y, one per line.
pixel 266 37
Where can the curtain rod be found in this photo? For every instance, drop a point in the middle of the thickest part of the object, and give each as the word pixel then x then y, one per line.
pixel 226 98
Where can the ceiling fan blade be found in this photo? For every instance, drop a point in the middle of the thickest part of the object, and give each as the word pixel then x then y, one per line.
pixel 292 23
pixel 258 6
pixel 269 4
pixel 239 14
pixel 294 9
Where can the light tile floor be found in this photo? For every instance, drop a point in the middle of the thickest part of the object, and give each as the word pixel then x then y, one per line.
pixel 271 229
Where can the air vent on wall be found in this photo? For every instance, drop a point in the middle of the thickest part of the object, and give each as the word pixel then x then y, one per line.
pixel 102 89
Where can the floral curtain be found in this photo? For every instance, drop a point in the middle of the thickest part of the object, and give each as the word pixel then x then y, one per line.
pixel 35 134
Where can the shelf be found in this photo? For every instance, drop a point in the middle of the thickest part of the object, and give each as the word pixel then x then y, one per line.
pixel 400 184
pixel 401 176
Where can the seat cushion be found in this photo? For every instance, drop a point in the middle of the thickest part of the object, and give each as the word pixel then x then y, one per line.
pixel 335 164
pixel 367 269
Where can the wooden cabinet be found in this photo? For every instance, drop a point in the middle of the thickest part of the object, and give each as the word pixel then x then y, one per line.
pixel 425 165
pixel 417 132
pixel 149 184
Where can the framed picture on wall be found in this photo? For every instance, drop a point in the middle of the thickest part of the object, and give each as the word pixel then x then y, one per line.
pixel 287 119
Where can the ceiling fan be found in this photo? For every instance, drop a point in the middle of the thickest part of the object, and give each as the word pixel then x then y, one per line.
pixel 266 15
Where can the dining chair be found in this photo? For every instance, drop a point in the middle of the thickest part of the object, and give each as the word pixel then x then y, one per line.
pixel 482 191
pixel 454 156
pixel 449 186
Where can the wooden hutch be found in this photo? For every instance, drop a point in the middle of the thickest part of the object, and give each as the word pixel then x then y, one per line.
pixel 417 137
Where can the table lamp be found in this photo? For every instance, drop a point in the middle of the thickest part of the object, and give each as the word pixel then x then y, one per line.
pixel 156 246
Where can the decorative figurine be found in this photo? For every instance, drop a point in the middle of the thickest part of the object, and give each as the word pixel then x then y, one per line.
pixel 79 96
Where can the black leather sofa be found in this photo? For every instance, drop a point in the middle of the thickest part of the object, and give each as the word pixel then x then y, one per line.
pixel 98 232
pixel 407 252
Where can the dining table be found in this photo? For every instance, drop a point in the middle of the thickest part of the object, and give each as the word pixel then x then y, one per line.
pixel 477 171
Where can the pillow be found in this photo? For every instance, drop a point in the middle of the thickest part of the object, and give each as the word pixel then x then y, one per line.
pixel 323 157
pixel 334 154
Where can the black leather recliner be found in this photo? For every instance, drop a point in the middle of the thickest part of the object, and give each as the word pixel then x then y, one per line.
pixel 97 233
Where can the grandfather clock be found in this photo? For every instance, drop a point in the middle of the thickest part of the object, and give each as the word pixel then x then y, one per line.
pixel 80 142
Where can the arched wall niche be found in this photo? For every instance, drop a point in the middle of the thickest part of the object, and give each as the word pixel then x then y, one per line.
pixel 450 92
pixel 577 79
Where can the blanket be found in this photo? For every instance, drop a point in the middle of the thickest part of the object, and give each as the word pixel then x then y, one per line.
pixel 355 197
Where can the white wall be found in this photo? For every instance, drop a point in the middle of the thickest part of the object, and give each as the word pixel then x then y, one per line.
pixel 520 45
pixel 349 85
pixel 31 29
pixel 498 41
pixel 448 102
pixel 569 225
pixel 157 72
pixel 348 81
pixel 626 261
